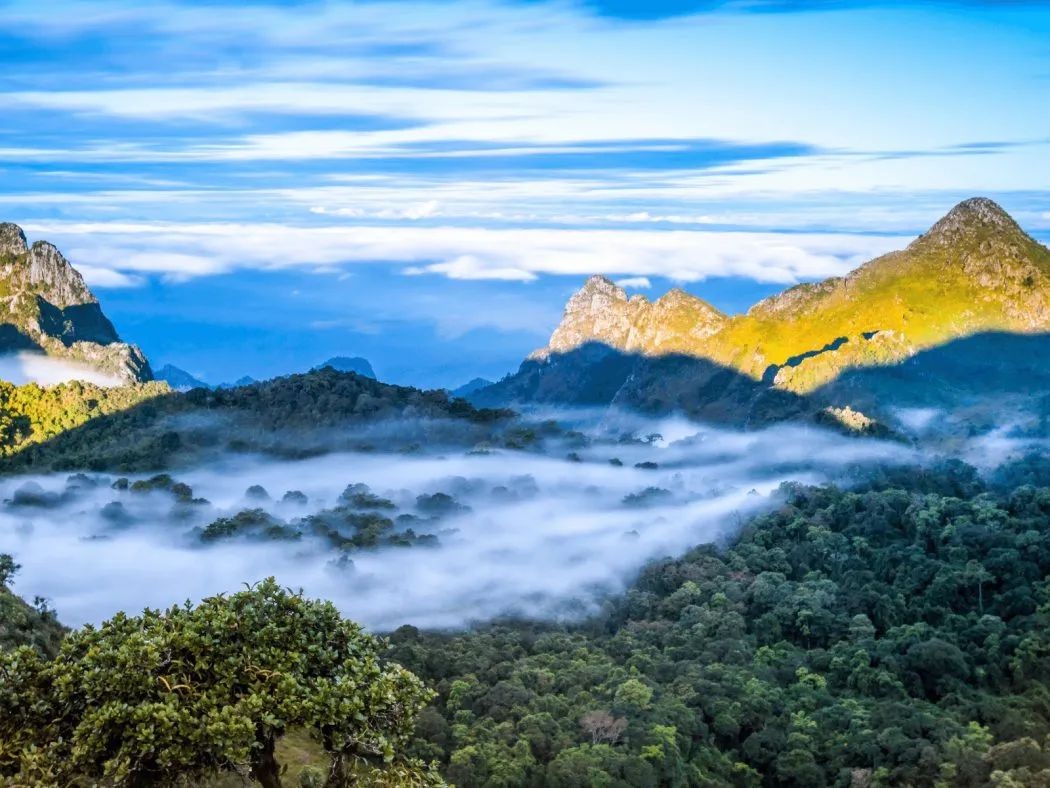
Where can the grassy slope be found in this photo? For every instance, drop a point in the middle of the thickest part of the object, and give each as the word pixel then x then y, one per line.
pixel 928 293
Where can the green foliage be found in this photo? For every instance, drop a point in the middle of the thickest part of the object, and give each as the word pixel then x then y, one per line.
pixel 32 414
pixel 191 691
pixel 895 635
pixel 136 429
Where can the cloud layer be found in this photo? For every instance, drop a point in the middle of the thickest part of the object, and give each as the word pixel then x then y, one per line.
pixel 536 540
pixel 131 249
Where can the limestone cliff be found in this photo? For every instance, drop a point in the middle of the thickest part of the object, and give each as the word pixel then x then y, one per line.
pixel 45 306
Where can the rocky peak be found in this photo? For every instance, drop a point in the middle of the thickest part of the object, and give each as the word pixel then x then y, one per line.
pixel 47 307
pixel 976 216
pixel 55 279
pixel 601 287
pixel 598 311
pixel 12 239
pixel 677 298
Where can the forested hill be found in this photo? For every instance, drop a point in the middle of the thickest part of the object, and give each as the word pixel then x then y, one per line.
pixel 898 635
pixel 150 427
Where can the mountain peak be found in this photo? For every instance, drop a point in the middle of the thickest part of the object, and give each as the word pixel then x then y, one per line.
pixel 978 214
pixel 48 308
pixel 12 239
pixel 599 284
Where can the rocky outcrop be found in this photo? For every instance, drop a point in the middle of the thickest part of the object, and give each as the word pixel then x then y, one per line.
pixel 45 306
pixel 601 312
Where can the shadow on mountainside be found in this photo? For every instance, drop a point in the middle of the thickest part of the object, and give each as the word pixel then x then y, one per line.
pixel 598 375
pixel 983 368
pixel 14 340
pixel 982 381
pixel 986 366
pixel 76 323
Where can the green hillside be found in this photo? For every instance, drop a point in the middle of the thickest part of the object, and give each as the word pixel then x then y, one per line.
pixel 149 427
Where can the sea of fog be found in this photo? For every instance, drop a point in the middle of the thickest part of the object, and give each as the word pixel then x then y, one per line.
pixel 532 534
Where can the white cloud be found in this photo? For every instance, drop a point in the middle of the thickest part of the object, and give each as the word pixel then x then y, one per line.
pixel 556 538
pixel 423 210
pixel 635 283
pixel 645 216
pixel 108 277
pixel 22 368
pixel 463 252
pixel 470 267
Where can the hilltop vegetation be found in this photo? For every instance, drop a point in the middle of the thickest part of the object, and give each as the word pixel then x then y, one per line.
pixel 148 427
pixel 192 692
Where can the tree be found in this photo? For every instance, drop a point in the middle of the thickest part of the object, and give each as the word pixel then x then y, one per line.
pixel 8 568
pixel 602 726
pixel 198 689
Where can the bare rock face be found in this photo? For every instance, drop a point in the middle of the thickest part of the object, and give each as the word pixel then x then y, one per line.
pixel 601 312
pixel 968 218
pixel 45 306
pixel 12 240
pixel 51 276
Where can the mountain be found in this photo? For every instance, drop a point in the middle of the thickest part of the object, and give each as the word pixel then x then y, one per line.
pixel 45 306
pixel 975 271
pixel 470 387
pixel 348 364
pixel 179 379
pixel 244 380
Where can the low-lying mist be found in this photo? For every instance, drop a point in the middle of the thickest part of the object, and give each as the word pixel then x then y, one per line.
pixel 434 540
pixel 25 367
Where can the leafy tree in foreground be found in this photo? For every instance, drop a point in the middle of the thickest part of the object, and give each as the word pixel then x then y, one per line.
pixel 191 691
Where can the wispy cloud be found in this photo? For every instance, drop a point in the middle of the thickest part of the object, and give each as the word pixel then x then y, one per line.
pixel 635 283
pixel 463 252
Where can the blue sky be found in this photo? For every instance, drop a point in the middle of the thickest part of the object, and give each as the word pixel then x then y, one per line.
pixel 252 187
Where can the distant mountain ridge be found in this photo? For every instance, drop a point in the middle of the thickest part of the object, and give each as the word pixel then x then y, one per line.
pixel 471 386
pixel 179 379
pixel 46 307
pixel 974 271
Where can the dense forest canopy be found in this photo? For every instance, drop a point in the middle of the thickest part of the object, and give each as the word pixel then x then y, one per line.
pixel 895 635
pixel 193 692
pixel 890 634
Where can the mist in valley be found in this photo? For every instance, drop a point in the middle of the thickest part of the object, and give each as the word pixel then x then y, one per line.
pixel 449 538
